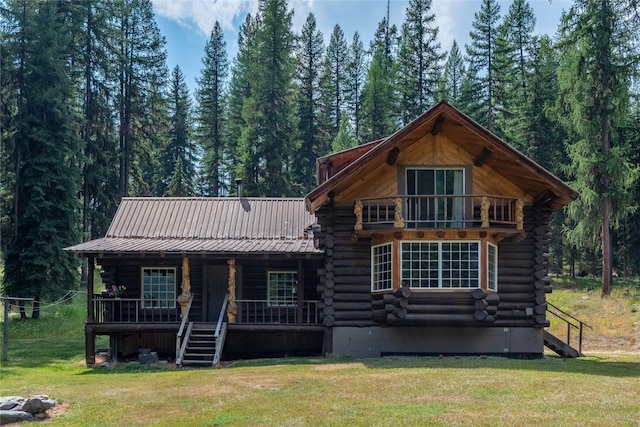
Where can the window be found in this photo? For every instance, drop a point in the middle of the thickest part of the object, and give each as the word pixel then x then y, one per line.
pixel 283 287
pixel 159 287
pixel 381 267
pixel 492 267
pixel 442 209
pixel 440 264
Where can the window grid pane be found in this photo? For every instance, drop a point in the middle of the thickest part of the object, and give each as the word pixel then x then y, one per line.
pixel 283 286
pixel 381 271
pixel 450 265
pixel 159 287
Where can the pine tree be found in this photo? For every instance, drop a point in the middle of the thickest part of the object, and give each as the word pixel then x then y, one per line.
pixel 142 72
pixel 419 61
pixel 239 92
pixel 379 103
pixel 481 57
pixel 598 40
pixel 310 51
pixel 180 153
pixel 269 135
pixel 334 83
pixel 356 74
pixel 345 138
pixel 212 104
pixel 450 88
pixel 47 179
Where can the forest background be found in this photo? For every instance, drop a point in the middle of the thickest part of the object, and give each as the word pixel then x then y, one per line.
pixel 90 113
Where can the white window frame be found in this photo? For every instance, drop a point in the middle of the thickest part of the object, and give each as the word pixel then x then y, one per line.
pixel 279 299
pixel 158 298
pixel 418 274
pixel 492 267
pixel 382 267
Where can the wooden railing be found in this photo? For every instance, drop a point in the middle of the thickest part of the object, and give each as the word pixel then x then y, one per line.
pixel 183 333
pixel 456 211
pixel 571 322
pixel 131 310
pixel 221 331
pixel 259 311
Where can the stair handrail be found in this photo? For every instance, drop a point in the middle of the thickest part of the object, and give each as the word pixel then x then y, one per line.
pixel 223 311
pixel 562 317
pixel 183 347
pixel 180 343
pixel 220 343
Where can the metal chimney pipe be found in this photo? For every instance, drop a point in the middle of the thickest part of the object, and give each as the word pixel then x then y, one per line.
pixel 239 185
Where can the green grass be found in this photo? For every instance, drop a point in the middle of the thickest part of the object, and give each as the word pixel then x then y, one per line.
pixel 46 356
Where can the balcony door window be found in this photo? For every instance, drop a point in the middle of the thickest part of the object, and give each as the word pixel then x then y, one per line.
pixel 431 201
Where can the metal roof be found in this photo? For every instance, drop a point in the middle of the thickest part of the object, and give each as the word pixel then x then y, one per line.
pixel 206 225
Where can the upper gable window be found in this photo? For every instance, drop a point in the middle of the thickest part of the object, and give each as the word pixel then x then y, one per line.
pixel 432 201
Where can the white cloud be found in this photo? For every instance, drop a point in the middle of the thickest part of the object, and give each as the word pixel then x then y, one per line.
pixel 203 14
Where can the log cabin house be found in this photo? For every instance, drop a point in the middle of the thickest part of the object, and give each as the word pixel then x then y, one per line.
pixel 431 241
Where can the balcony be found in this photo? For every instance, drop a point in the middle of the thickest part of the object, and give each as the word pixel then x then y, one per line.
pixel 479 211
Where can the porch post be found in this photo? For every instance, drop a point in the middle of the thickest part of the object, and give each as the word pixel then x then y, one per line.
pixel 183 298
pixel 90 270
pixel 232 307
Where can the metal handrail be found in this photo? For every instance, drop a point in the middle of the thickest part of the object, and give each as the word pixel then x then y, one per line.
pixel 563 316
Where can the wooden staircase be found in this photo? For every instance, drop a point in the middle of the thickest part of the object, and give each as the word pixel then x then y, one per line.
pixel 202 345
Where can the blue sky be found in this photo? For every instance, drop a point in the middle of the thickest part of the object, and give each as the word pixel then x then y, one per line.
pixel 187 24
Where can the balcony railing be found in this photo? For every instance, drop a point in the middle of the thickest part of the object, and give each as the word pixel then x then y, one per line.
pixel 455 211
pixel 259 311
pixel 131 310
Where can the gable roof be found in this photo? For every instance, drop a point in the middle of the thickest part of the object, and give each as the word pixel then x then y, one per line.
pixel 206 225
pixel 469 135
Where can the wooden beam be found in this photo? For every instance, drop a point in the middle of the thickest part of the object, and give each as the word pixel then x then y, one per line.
pixel 437 126
pixel 544 198
pixel 393 156
pixel 482 157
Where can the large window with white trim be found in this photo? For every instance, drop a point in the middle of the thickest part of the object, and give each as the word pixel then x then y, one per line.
pixel 440 264
pixel 381 270
pixel 158 287
pixel 283 288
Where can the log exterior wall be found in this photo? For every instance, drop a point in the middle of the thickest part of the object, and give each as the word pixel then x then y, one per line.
pixel 519 305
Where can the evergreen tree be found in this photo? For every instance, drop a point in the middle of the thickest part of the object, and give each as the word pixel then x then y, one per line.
pixel 598 41
pixel 379 93
pixel 450 88
pixel 334 83
pixel 356 74
pixel 179 155
pixel 310 59
pixel 47 179
pixel 345 138
pixel 141 70
pixel 481 57
pixel 419 61
pixel 513 51
pixel 211 96
pixel 269 135
pixel 239 92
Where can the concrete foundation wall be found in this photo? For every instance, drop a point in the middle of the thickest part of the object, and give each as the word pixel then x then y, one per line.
pixel 377 341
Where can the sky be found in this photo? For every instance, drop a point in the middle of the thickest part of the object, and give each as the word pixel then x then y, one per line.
pixel 187 24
